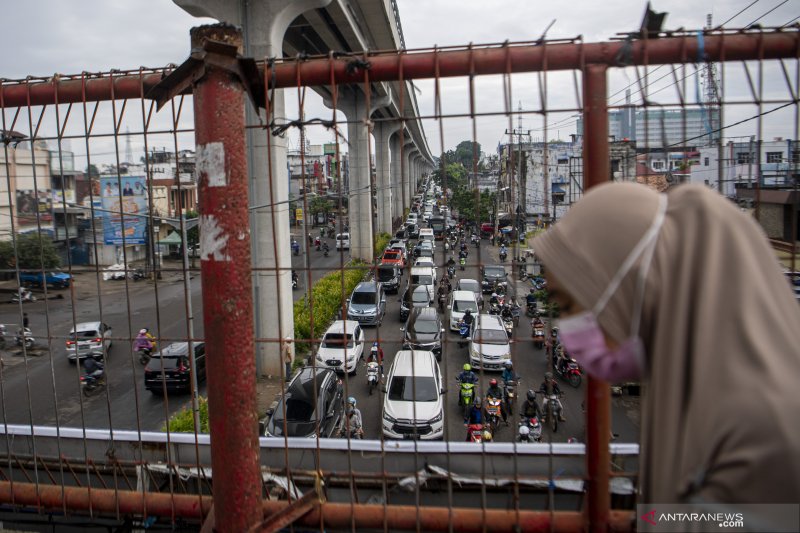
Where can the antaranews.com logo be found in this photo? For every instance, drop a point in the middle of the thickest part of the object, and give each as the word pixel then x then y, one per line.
pixel 717 517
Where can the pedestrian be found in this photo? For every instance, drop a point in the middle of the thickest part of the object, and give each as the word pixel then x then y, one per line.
pixel 24 320
pixel 642 281
pixel 288 357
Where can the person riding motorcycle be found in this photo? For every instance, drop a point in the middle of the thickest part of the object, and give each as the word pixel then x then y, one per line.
pixel 508 373
pixel 530 299
pixel 506 312
pixel 503 250
pixel 353 421
pixel 441 293
pixel 462 254
pixel 93 367
pixel 467 375
pixel 530 407
pixel 445 282
pixel 494 391
pixel 475 414
pixel 295 277
pixel 468 319
pixel 376 354
pixel 325 248
pixel 144 341
pixel 450 263
pixel 555 389
pixel 494 299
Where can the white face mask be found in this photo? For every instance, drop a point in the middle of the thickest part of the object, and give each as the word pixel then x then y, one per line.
pixel 582 336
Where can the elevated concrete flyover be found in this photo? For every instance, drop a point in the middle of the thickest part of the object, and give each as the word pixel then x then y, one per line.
pixel 278 29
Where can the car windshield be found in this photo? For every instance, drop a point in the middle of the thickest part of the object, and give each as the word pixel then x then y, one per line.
pixel 363 298
pixel 420 295
pixel 459 306
pixel 494 272
pixel 342 237
pixel 337 340
pixel 391 254
pixel 490 336
pixel 413 388
pixel 422 279
pixel 88 334
pixel 385 274
pixel 468 286
pixel 296 411
pixel 426 326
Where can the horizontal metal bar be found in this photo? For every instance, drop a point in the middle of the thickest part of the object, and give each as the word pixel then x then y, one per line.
pixel 331 515
pixel 450 63
pixel 356 445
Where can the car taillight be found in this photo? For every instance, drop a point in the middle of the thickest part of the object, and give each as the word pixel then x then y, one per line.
pixel 97 339
pixel 182 368
pixel 70 343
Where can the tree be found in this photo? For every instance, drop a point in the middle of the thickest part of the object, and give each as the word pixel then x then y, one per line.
pixel 33 252
pixel 192 234
pixel 318 205
pixel 464 154
pixel 463 201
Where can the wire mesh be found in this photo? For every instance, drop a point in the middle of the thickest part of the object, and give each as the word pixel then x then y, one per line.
pixel 336 175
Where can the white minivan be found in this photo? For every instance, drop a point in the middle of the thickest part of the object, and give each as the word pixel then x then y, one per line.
pixel 342 241
pixel 342 347
pixel 413 407
pixel 424 275
pixel 489 346
pixel 460 301
pixel 427 234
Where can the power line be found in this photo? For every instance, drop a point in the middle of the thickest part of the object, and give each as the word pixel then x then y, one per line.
pixel 739 13
pixel 767 13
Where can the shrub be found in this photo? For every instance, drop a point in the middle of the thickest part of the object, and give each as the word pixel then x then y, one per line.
pixel 381 241
pixel 183 420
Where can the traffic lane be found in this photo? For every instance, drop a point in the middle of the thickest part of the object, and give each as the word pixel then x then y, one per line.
pixel 47 374
pixel 320 265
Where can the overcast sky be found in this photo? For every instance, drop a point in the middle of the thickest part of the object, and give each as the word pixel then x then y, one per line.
pixel 41 37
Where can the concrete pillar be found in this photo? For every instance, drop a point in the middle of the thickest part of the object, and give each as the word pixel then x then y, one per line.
pixel 264 25
pixel 353 104
pixel 386 208
pixel 411 185
pixel 397 176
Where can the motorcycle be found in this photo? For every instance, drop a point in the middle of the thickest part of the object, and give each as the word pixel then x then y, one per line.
pixel 508 323
pixel 503 256
pixel 462 262
pixel 318 244
pixel 25 337
pixel 294 283
pixel 552 410
pixel 530 430
pixel 463 331
pixel 295 248
pixel 373 375
pixel 23 295
pixel 511 395
pixel 465 396
pixel 325 250
pixel 91 384
pixel 475 432
pixel 570 372
pixel 494 308
pixel 538 334
pixel 530 309
pixel 493 413
pixel 451 271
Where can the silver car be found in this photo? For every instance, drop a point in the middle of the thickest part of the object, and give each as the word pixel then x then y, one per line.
pixel 89 339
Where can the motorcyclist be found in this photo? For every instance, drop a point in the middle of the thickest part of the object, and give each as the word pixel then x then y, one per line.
pixel 376 354
pixel 295 247
pixel 295 277
pixel 93 367
pixel 503 250
pixel 353 421
pixel 530 299
pixel 554 389
pixel 144 341
pixel 450 263
pixel 445 282
pixel 468 319
pixel 494 299
pixel 508 372
pixel 506 313
pixel 530 407
pixel 442 295
pixel 317 242
pixel 475 414
pixel 325 248
pixel 462 254
pixel 494 391
pixel 467 375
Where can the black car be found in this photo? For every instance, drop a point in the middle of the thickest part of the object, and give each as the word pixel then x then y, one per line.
pixel 401 234
pixel 314 401
pixel 174 361
pixel 490 275
pixel 423 249
pixel 414 296
pixel 423 331
pixel 413 231
pixel 389 276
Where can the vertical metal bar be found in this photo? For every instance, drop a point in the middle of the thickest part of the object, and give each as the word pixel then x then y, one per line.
pixel 227 288
pixel 598 397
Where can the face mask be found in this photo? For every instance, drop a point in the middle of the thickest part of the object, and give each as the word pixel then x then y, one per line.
pixel 582 336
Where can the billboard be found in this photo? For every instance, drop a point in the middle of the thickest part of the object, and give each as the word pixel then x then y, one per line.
pixel 30 203
pixel 125 211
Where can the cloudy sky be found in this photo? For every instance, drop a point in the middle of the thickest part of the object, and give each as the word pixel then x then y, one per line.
pixel 42 37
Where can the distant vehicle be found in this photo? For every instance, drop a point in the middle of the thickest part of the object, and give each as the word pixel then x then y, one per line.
pixel 342 347
pixel 424 276
pixel 426 262
pixel 393 256
pixel 460 301
pixel 413 407
pixel 413 230
pixel 437 224
pixel 426 234
pixel 313 402
pixel 175 363
pixel 88 339
pixel 492 274
pixel 342 241
pixel 55 279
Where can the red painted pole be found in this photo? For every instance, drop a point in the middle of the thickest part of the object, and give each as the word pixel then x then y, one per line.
pixel 227 296
pixel 597 170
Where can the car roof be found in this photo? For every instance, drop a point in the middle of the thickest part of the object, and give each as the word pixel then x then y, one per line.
pixel 85 326
pixel 366 286
pixel 423 313
pixel 303 382
pixel 485 321
pixel 423 362
pixel 463 295
pixel 467 280
pixel 422 270
pixel 340 326
pixel 177 348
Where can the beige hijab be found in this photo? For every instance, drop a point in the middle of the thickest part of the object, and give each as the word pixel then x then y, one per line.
pixel 721 411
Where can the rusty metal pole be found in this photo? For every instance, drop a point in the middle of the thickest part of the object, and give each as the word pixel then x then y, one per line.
pixel 597 170
pixel 227 295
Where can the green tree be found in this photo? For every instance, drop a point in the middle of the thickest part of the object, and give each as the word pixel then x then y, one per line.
pixel 33 252
pixel 193 234
pixel 319 204
pixel 463 201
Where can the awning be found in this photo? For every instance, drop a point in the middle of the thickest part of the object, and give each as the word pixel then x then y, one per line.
pixel 172 239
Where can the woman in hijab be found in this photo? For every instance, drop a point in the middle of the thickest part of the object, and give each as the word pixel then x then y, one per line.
pixel 682 291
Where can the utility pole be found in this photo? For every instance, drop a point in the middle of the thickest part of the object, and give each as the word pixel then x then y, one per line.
pixel 519 186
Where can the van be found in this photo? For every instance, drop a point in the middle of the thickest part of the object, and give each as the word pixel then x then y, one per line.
pixel 489 346
pixel 424 275
pixel 413 407
pixel 426 234
pixel 342 241
pixel 367 304
pixel 460 301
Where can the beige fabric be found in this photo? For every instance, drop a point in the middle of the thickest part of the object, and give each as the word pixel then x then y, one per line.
pixel 721 409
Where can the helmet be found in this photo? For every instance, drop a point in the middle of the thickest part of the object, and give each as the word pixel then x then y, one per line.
pixel 493 382
pixel 494 295
pixel 509 365
pixel 467 367
pixel 467 312
pixel 548 376
pixel 351 401
pixel 143 331
pixel 555 330
pixel 533 291
pixel 477 402
pixel 375 344
pixel 531 395
pixel 524 431
pixel 487 435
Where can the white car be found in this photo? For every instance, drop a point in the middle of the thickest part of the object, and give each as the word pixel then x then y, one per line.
pixel 424 275
pixel 88 339
pixel 342 241
pixel 413 407
pixel 489 346
pixel 342 347
pixel 426 262
pixel 460 301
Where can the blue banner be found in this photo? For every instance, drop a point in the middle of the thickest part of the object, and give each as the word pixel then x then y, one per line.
pixel 125 211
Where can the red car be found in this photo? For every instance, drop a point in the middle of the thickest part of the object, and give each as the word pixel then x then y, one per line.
pixel 393 257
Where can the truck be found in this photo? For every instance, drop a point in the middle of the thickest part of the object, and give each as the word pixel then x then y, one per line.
pixel 55 279
pixel 437 224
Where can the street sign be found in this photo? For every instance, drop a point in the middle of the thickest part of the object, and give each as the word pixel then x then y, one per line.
pixel 298 214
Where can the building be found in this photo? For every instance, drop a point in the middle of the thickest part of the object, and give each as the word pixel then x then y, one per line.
pixel 25 176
